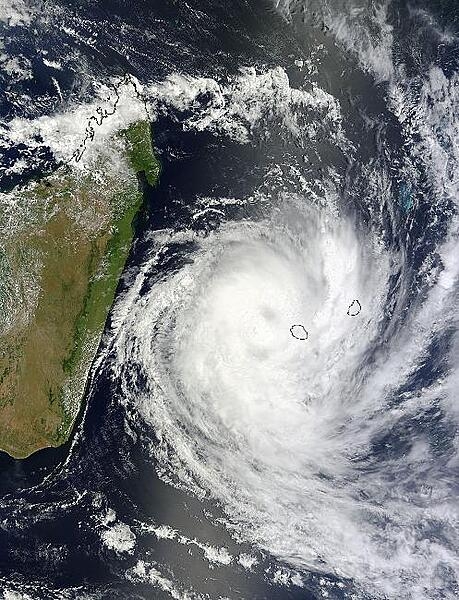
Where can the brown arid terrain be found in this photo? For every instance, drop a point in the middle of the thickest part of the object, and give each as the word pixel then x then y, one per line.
pixel 61 266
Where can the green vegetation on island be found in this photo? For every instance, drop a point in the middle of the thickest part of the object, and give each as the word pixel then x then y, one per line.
pixel 64 261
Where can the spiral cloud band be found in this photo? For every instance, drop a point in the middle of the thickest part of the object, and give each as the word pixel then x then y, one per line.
pixel 278 432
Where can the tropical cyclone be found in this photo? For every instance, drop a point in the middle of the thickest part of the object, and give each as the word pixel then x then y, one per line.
pixel 61 266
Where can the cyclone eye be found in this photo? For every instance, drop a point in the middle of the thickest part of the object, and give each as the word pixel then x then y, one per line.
pixel 299 332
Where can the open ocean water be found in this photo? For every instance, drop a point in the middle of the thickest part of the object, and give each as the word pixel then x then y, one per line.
pixel 309 177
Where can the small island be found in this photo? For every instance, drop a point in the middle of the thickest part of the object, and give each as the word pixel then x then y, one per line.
pixel 299 332
pixel 354 308
pixel 61 268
